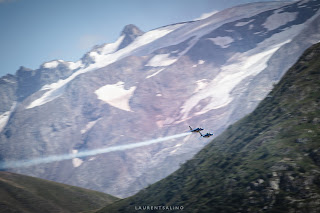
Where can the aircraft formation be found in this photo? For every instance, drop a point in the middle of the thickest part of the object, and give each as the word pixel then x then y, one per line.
pixel 207 135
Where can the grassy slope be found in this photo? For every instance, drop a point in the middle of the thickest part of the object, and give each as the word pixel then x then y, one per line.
pixel 20 193
pixel 267 162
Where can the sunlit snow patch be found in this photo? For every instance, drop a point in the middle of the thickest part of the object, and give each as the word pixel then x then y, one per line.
pixel 279 19
pixel 199 63
pixel 46 97
pixel 4 118
pixel 223 42
pixel 161 60
pixel 154 74
pixel 51 64
pixel 92 158
pixel 76 162
pixel 110 47
pixel 88 126
pixel 74 65
pixel 55 64
pixel 8 81
pixel 206 15
pixel 116 95
pixel 243 23
pixel 201 84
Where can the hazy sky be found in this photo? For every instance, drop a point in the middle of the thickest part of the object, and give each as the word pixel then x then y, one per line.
pixel 36 31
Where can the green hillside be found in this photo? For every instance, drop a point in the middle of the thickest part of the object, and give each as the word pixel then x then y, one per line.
pixel 267 162
pixel 20 193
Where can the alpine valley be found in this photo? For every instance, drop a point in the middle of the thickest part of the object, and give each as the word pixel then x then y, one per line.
pixel 269 161
pixel 207 73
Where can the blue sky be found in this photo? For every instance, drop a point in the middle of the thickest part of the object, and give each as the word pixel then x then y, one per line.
pixel 35 31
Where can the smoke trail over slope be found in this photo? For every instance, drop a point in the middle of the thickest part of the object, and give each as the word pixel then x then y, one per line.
pixel 53 158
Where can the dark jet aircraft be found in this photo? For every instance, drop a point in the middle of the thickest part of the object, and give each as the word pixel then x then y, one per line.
pixel 195 130
pixel 207 135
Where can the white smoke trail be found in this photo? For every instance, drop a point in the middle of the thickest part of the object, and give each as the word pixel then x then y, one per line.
pixel 53 158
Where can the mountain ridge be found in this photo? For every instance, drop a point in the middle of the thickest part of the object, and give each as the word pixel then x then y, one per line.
pixel 20 193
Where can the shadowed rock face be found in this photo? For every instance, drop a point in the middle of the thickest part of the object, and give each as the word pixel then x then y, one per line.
pixel 8 88
pixel 130 33
pixel 204 73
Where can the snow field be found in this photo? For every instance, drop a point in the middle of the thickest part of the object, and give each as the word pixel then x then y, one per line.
pixel 231 75
pixel 116 95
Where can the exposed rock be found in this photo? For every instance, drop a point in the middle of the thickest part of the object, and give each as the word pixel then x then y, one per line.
pixel 130 33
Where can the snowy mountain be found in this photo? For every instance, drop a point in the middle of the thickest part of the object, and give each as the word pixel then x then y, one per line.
pixel 145 85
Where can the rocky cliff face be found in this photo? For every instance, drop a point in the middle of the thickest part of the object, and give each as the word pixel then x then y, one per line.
pixel 266 162
pixel 147 85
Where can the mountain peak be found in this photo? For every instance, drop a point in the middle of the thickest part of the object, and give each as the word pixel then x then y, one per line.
pixel 24 69
pixel 131 30
pixel 130 33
